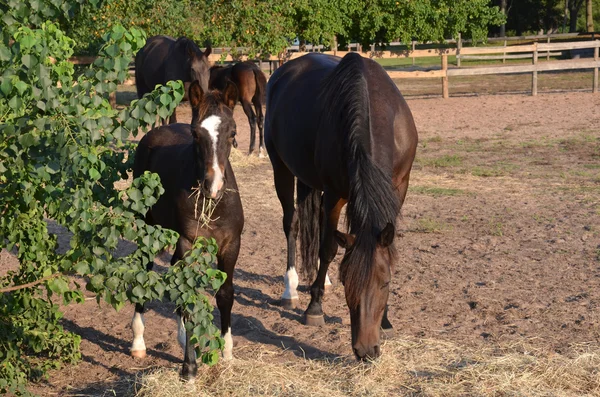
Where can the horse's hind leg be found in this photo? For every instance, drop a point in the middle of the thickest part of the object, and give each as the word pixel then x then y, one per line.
pixel 327 251
pixel 227 259
pixel 284 185
pixel 259 121
pixel 247 106
pixel 190 368
pixel 138 347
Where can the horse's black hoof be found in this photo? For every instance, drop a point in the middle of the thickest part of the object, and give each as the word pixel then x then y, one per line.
pixel 289 304
pixel 314 320
pixel 189 372
pixel 387 333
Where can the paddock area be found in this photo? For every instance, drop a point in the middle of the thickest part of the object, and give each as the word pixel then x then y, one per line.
pixel 500 247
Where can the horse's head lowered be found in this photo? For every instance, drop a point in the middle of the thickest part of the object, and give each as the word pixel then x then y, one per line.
pixel 198 64
pixel 214 130
pixel 367 294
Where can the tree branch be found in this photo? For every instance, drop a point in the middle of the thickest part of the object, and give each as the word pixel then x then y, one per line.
pixel 28 285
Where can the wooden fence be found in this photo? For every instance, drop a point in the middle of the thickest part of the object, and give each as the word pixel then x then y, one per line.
pixel 531 51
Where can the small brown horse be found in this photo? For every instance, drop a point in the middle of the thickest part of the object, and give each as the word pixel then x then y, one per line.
pixel 164 59
pixel 341 127
pixel 185 157
pixel 251 83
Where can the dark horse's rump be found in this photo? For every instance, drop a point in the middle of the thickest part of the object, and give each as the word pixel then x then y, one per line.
pixel 188 157
pixel 252 88
pixel 164 59
pixel 341 127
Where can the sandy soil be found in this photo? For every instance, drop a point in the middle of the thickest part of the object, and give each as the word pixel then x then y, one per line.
pixel 501 242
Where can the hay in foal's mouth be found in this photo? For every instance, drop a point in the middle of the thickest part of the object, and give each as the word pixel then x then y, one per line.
pixel 203 211
pixel 406 368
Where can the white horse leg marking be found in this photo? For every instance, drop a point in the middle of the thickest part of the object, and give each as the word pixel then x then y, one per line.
pixel 211 124
pixel 228 349
pixel 181 334
pixel 291 284
pixel 138 347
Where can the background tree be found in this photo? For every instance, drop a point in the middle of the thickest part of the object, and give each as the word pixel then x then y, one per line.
pixel 589 15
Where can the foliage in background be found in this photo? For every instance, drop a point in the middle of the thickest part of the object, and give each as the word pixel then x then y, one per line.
pixel 262 26
pixel 62 149
pixel 428 20
pixel 155 17
pixel 269 26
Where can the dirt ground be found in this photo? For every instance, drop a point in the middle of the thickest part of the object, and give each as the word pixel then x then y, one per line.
pixel 501 241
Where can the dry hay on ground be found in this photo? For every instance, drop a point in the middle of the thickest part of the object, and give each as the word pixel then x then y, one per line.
pixel 407 367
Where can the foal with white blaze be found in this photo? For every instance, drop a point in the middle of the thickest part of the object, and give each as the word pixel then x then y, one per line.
pixel 188 157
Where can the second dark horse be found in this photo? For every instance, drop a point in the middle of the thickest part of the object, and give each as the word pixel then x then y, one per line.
pixel 164 59
pixel 252 86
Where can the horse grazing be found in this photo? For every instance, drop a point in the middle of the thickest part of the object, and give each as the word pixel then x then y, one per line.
pixel 187 157
pixel 341 128
pixel 164 59
pixel 251 83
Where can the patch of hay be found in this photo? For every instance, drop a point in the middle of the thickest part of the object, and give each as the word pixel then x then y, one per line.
pixel 406 368
pixel 240 159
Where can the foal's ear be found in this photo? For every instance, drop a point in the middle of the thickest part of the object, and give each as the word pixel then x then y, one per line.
pixel 386 237
pixel 230 94
pixel 208 50
pixel 196 94
pixel 344 240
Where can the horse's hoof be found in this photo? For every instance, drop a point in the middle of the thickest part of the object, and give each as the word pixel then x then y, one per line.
pixel 138 353
pixel 289 304
pixel 314 321
pixel 387 333
pixel 188 373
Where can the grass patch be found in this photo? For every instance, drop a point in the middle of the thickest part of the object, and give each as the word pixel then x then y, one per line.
pixel 487 172
pixel 436 191
pixel 443 161
pixel 430 225
pixel 406 368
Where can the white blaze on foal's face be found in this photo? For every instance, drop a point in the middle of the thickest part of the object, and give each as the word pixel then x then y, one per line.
pixel 211 124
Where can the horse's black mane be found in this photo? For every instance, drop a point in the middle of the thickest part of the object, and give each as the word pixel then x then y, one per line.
pixel 372 202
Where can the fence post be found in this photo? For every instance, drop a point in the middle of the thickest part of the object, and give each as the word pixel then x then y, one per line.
pixel 458 48
pixel 534 79
pixel 596 58
pixel 445 93
pixel 414 44
pixel 504 53
pixel 548 53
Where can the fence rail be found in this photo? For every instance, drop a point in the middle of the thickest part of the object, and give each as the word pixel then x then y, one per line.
pixel 532 51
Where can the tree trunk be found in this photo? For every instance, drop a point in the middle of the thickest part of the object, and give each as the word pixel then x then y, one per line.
pixel 574 6
pixel 503 10
pixel 589 16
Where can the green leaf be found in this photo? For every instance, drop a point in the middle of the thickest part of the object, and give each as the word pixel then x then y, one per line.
pixel 94 174
pixel 139 291
pixel 29 61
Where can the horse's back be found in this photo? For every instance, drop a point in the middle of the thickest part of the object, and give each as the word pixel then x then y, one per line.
pixel 150 63
pixel 162 143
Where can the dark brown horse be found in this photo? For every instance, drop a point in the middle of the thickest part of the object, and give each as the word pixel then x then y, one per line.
pixel 164 59
pixel 341 128
pixel 251 83
pixel 186 157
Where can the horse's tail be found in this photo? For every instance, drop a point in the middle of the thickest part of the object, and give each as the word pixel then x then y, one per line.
pixel 309 217
pixel 261 85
